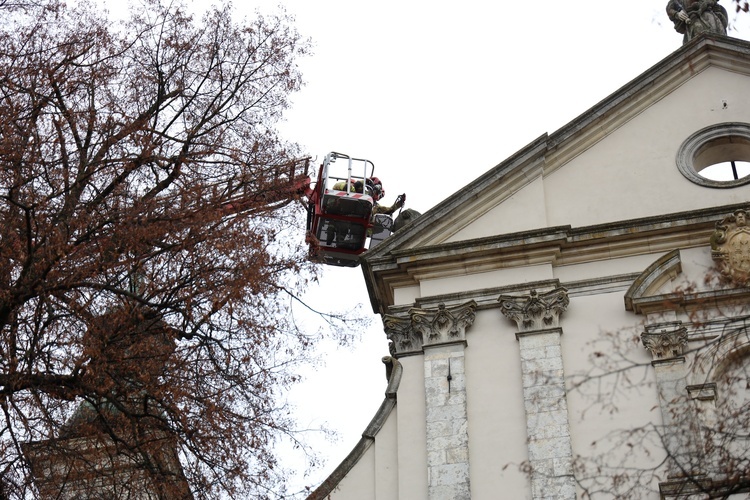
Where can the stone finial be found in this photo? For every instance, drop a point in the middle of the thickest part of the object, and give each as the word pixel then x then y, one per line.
pixel 665 340
pixel 535 311
pixel 730 247
pixel 426 327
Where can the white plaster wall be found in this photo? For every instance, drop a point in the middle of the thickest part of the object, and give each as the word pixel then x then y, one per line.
pixel 611 267
pixel 512 215
pixel 599 339
pixel 386 459
pixel 412 441
pixel 632 172
pixel 489 279
pixel 696 265
pixel 497 422
pixel 359 483
pixel 405 295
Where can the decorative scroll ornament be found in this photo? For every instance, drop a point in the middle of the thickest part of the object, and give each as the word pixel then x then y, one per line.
pixel 665 340
pixel 730 248
pixel 427 327
pixel 535 311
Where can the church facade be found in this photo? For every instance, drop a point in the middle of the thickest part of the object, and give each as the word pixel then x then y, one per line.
pixel 574 323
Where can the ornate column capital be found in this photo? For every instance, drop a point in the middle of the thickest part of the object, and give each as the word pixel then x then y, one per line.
pixel 403 338
pixel 428 327
pixel 535 311
pixel 443 325
pixel 665 340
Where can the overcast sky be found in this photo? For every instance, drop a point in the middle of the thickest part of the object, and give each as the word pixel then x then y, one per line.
pixel 435 93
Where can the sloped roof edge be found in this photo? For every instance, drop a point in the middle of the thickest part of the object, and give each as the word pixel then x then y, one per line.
pixel 699 221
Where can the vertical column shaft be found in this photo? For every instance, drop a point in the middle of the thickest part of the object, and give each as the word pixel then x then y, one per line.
pixel 447 423
pixel 550 450
pixel 682 438
pixel 441 335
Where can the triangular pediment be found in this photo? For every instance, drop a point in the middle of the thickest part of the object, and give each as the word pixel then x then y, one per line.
pixel 590 171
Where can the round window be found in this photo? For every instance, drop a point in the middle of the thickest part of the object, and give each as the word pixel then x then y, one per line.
pixel 717 156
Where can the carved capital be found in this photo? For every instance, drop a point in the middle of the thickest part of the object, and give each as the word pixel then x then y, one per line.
pixel 403 338
pixel 665 340
pixel 535 311
pixel 443 324
pixel 426 327
pixel 730 247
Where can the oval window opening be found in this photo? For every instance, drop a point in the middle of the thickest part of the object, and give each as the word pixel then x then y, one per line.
pixel 717 156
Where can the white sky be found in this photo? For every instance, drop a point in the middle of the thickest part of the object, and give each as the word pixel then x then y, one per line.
pixel 435 93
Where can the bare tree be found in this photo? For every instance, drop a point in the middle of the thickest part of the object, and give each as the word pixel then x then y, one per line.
pixel 146 268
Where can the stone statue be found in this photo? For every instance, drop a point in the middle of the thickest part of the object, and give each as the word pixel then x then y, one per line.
pixel 693 17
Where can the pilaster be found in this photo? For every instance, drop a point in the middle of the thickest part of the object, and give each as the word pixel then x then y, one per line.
pixel 440 334
pixel 545 402
pixel 447 423
pixel 704 402
pixel 666 342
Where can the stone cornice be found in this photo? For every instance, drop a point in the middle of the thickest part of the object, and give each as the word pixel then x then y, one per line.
pixel 486 298
pixel 423 244
pixel 419 328
pixel 555 246
pixel 643 228
pixel 686 301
